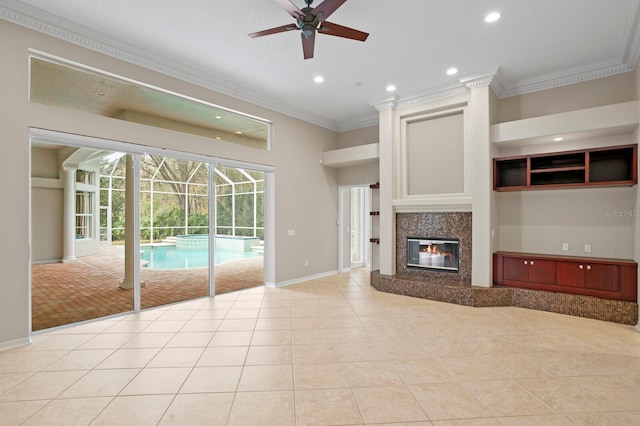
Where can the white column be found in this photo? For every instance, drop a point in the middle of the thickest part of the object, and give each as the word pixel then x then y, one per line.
pixel 387 186
pixel 483 200
pixel 269 229
pixel 69 215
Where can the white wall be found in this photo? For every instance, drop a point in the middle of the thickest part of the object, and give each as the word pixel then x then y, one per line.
pixel 589 94
pixel 306 193
pixel 540 221
pixel 46 214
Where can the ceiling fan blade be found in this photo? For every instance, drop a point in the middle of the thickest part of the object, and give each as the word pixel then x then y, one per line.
pixel 288 27
pixel 332 29
pixel 326 8
pixel 291 8
pixel 307 45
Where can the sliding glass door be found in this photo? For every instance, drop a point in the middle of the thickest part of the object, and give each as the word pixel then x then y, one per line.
pixel 114 231
pixel 174 230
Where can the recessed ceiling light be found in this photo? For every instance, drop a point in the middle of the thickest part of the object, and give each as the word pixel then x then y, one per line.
pixel 492 17
pixel 218 117
pixel 238 132
pixel 218 138
pixel 391 88
pixel 452 71
pixel 318 79
pixel 557 139
pixel 101 94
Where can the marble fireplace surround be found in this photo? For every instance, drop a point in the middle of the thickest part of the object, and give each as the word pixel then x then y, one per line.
pixel 449 225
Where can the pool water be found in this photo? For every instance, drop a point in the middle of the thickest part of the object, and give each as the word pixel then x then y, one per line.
pixel 170 257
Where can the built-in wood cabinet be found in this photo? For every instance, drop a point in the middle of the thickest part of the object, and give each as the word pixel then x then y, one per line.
pixel 605 278
pixel 529 270
pixel 613 166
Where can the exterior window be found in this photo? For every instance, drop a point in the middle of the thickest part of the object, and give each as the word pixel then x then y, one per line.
pixel 84 215
pixel 83 176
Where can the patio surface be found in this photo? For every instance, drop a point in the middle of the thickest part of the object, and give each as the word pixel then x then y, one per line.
pixel 64 293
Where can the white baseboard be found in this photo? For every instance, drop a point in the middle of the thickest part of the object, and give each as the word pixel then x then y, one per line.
pixel 301 279
pixel 15 343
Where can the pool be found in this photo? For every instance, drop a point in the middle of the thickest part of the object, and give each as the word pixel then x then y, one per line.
pixel 172 257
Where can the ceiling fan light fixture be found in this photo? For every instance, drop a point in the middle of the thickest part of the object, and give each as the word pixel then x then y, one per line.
pixel 308 30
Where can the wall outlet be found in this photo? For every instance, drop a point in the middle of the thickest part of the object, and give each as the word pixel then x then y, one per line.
pixel 291 232
pixel 587 248
pixel 565 246
pixel 306 262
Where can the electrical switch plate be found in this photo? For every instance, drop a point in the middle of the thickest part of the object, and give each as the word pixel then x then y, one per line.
pixel 565 246
pixel 291 232
pixel 587 248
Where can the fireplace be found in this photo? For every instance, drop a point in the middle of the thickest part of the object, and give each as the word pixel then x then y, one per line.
pixel 439 254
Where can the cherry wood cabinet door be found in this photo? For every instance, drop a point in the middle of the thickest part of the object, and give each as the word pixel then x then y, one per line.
pixel 516 269
pixel 542 271
pixel 570 274
pixel 603 277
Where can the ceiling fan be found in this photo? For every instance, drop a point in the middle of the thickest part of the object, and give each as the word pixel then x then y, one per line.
pixel 310 20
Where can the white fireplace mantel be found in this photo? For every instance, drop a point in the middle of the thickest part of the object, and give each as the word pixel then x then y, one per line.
pixel 433 205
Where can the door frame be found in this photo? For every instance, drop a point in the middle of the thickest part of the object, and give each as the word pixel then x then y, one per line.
pixel 344 225
pixel 82 141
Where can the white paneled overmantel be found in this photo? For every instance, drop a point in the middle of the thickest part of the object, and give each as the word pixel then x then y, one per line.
pixel 434 157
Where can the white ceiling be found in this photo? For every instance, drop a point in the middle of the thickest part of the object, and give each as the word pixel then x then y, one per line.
pixel 536 45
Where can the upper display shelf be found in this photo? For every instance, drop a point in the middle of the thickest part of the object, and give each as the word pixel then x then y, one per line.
pixel 591 122
pixel 613 166
pixel 346 157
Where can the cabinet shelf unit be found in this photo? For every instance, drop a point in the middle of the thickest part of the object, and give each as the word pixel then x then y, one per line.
pixel 604 278
pixel 613 166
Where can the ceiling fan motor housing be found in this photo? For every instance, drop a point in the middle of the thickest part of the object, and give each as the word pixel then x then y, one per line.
pixel 308 23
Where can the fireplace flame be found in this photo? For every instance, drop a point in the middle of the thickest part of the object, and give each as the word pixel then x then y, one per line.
pixel 432 249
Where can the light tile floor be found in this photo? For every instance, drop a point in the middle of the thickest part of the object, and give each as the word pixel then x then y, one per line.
pixel 330 351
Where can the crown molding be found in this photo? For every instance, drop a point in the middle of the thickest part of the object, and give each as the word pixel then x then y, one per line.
pixel 386 103
pixel 478 80
pixel 566 78
pixel 431 95
pixel 632 36
pixel 359 123
pixel 41 21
